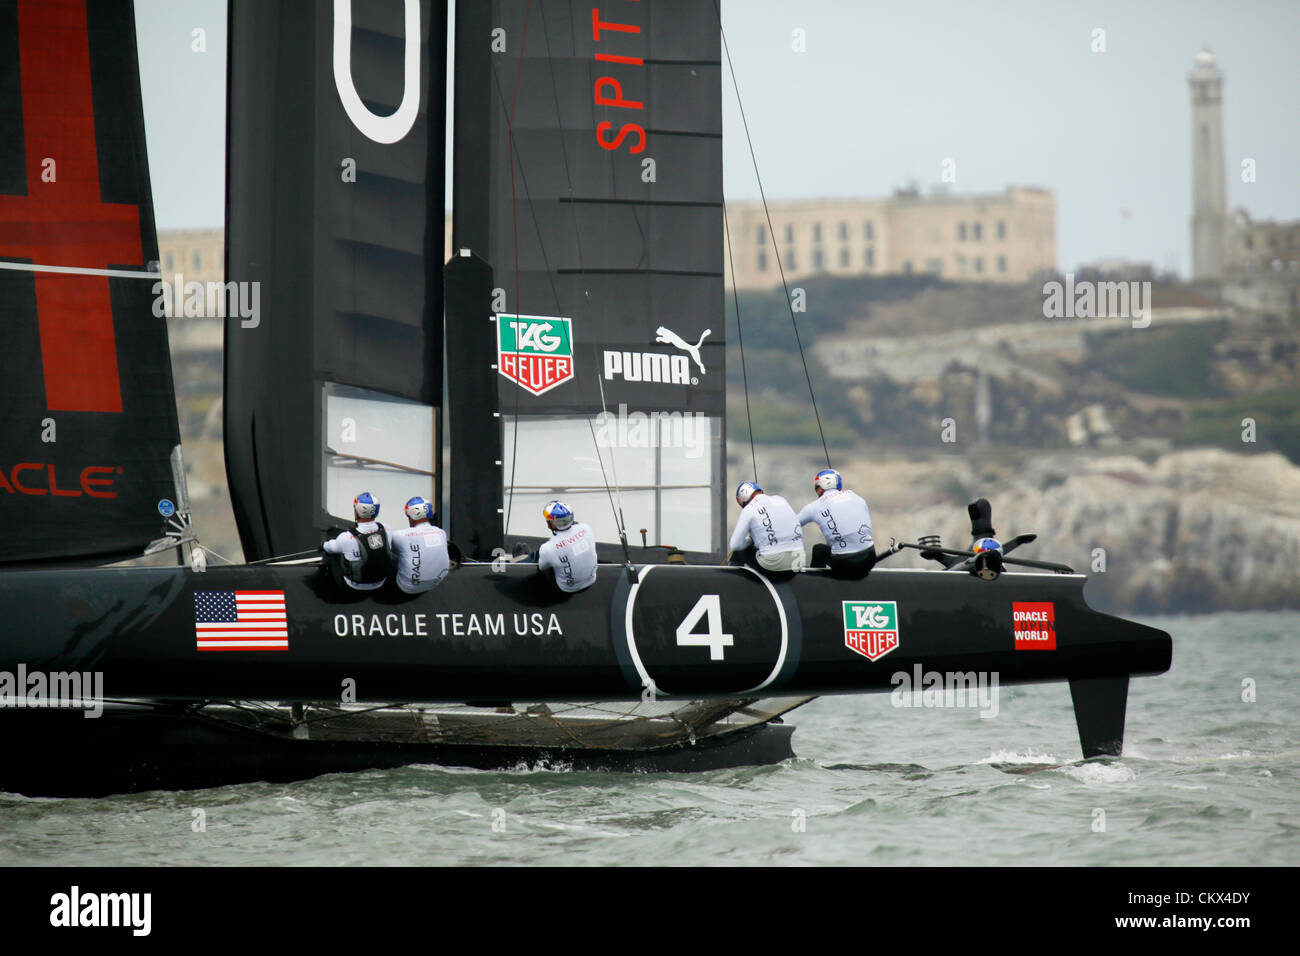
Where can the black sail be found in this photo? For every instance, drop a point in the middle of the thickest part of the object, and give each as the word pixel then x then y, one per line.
pixel 334 185
pixel 588 175
pixel 89 425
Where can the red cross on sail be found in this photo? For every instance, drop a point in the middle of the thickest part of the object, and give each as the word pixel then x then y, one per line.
pixel 62 220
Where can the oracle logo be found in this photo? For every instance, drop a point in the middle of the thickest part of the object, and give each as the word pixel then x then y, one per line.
pixel 381 129
pixel 34 478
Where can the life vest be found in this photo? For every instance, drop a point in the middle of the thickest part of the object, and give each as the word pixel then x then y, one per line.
pixel 376 562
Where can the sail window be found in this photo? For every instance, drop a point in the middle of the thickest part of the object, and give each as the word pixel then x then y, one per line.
pixel 668 467
pixel 377 443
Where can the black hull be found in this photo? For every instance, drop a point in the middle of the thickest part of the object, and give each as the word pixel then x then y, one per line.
pixel 504 634
pixel 60 753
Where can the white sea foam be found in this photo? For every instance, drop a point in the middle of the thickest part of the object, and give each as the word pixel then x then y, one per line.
pixel 1100 773
pixel 1011 756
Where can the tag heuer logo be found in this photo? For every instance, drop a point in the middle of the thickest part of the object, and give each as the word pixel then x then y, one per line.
pixel 871 627
pixel 535 351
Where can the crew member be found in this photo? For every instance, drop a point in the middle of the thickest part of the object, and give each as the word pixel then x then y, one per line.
pixel 849 551
pixel 571 553
pixel 768 534
pixel 420 551
pixel 359 557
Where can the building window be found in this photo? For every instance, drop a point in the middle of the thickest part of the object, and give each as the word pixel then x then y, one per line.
pixel 871 258
pixel 934 266
pixel 790 260
pixel 819 261
pixel 844 258
pixel 817 232
pixel 907 267
pixel 867 232
pixel 1002 229
pixel 979 264
pixel 979 231
pixel 789 233
pixel 762 234
pixel 196 262
pixel 844 231
pixel 171 261
pixel 961 232
pixel 762 261
pixel 1002 263
pixel 961 265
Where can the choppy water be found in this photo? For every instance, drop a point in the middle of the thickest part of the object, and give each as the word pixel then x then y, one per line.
pixel 1206 779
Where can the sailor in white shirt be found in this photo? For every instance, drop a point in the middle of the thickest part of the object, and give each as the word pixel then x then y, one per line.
pixel 767 531
pixel 845 521
pixel 571 553
pixel 420 551
pixel 363 562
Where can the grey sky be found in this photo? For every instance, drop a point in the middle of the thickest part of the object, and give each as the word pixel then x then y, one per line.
pixel 886 91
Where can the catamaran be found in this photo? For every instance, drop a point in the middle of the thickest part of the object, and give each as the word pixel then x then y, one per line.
pixel 572 346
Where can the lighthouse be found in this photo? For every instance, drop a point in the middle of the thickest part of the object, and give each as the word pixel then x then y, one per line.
pixel 1209 206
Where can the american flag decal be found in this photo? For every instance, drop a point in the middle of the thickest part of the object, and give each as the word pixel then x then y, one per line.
pixel 240 621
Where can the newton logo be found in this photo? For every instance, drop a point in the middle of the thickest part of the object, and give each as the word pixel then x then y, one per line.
pixel 535 351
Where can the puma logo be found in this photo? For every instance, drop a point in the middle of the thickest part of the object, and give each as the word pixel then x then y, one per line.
pixel 667 336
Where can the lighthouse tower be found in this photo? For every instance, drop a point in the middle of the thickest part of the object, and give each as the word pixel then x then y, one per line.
pixel 1209 205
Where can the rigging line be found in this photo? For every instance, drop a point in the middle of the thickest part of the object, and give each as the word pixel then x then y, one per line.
pixel 577 236
pixel 555 294
pixel 559 124
pixel 621 524
pixel 514 224
pixel 768 214
pixel 613 465
pixel 208 550
pixel 283 557
pixel 603 479
pixel 744 374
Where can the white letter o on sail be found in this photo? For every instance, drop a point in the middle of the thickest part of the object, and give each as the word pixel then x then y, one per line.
pixel 382 129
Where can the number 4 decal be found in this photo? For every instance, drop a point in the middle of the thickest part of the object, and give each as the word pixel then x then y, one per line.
pixel 714 639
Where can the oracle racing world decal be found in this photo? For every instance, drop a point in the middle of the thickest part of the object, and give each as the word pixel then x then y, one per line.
pixel 1034 623
pixel 871 627
pixel 535 351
